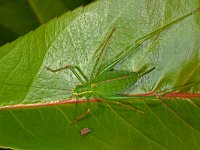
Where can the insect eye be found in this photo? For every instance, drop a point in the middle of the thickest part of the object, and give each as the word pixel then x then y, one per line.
pixel 79 85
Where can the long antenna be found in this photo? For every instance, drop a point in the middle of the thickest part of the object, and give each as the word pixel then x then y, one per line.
pixel 141 40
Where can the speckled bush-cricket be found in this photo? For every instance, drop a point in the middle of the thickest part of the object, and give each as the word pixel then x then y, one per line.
pixel 107 84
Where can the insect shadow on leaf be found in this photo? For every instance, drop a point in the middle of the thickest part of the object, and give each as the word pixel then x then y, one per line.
pixel 107 84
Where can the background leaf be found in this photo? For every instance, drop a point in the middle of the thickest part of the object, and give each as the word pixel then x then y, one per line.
pixel 168 123
pixel 21 16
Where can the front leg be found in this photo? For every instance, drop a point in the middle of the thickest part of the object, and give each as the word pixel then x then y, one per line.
pixel 81 116
pixel 75 70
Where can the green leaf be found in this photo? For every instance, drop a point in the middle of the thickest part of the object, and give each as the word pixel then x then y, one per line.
pixel 22 16
pixel 169 122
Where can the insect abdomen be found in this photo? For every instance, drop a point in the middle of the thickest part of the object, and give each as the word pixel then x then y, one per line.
pixel 113 82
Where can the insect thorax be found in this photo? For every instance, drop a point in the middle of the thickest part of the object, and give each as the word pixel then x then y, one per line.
pixel 83 90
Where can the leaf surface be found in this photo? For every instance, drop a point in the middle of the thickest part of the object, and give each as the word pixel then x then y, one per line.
pixel 170 122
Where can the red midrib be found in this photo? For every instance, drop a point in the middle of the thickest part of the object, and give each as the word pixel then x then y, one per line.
pixel 71 101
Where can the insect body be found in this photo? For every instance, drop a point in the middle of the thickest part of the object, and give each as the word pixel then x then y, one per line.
pixel 105 83
pixel 85 131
